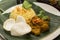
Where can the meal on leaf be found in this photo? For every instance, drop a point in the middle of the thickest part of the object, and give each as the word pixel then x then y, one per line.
pixel 24 20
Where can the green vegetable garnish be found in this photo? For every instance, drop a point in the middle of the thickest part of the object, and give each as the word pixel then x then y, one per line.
pixel 26 5
pixel 41 14
pixel 45 17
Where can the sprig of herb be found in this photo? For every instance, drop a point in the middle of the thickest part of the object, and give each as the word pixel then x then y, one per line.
pixel 26 5
pixel 42 15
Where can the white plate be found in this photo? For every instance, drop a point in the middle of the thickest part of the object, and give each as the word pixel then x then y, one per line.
pixel 49 9
pixel 0 0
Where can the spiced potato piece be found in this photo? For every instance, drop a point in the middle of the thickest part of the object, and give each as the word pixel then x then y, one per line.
pixel 39 25
pixel 36 30
pixel 44 27
pixel 35 20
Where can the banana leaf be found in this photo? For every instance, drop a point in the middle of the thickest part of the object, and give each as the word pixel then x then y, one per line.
pixel 5 4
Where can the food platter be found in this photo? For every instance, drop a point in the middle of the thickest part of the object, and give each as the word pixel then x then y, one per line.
pixel 55 27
